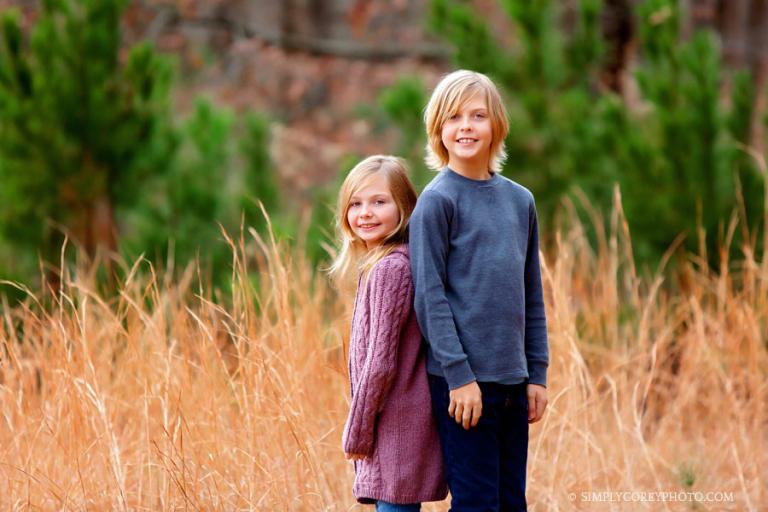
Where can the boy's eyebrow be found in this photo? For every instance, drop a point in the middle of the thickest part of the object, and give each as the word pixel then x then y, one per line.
pixel 479 109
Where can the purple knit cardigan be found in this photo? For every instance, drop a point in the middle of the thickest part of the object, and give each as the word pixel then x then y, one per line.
pixel 390 417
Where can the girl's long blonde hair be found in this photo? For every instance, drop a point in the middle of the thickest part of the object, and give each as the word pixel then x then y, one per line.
pixel 352 250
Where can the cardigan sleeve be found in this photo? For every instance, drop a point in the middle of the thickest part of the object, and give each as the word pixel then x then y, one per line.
pixel 390 295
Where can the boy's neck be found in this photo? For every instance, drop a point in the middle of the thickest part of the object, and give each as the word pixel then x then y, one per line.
pixel 471 170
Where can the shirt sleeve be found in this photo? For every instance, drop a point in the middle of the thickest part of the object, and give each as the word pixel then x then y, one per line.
pixel 429 239
pixel 536 346
pixel 391 292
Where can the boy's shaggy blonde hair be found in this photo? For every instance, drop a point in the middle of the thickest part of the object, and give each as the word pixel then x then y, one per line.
pixel 352 249
pixel 453 92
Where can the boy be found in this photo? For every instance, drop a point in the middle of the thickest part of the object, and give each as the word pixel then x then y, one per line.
pixel 478 297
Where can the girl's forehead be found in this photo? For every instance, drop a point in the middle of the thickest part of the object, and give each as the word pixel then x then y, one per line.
pixel 376 183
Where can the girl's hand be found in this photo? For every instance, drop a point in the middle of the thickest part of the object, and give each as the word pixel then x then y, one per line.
pixel 466 405
pixel 537 402
pixel 354 456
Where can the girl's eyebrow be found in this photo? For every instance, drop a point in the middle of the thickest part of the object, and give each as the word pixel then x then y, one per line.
pixel 378 194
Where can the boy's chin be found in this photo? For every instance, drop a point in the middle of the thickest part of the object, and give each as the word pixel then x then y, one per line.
pixel 472 152
pixel 468 157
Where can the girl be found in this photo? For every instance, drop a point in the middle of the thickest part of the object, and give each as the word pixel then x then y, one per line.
pixel 478 297
pixel 390 433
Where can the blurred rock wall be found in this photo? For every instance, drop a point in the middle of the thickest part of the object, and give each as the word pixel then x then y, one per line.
pixel 312 65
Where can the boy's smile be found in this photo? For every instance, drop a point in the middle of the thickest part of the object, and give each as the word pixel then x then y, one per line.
pixel 467 135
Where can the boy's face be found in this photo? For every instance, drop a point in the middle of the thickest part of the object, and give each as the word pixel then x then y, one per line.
pixel 467 135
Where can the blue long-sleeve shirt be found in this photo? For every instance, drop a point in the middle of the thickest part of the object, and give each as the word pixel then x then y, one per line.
pixel 479 301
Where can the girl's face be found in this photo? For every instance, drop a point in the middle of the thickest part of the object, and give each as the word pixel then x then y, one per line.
pixel 372 212
pixel 467 135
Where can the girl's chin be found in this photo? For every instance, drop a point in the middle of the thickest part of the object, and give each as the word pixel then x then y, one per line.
pixel 371 240
pixel 372 244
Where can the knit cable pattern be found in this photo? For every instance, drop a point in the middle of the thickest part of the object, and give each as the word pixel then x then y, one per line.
pixel 374 345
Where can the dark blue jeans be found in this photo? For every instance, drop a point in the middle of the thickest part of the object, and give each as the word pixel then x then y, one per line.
pixel 485 465
pixel 385 506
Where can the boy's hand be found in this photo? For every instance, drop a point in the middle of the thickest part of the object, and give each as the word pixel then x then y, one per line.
pixel 466 405
pixel 354 456
pixel 537 402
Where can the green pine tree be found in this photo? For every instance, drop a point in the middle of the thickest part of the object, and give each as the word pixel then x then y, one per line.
pixel 89 148
pixel 678 160
pixel 259 183
pixel 80 127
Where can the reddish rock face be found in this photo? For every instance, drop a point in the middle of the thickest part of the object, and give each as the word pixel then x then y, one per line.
pixel 311 65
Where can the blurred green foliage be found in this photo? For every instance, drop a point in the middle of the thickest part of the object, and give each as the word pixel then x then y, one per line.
pixel 76 127
pixel 403 104
pixel 676 157
pixel 89 147
pixel 184 203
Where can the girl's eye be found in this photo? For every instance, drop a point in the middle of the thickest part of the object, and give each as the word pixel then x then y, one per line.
pixel 354 204
pixel 480 115
pixel 380 201
pixel 454 117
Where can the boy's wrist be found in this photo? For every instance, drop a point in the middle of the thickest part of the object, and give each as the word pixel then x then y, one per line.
pixel 458 374
pixel 537 374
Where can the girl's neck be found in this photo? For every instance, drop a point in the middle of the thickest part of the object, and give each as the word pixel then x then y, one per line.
pixel 471 170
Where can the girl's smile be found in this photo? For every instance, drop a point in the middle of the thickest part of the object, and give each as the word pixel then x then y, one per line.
pixel 372 212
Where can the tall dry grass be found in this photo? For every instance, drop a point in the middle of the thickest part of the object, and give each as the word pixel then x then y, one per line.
pixel 160 399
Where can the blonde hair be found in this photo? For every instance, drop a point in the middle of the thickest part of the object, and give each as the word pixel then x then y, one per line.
pixel 353 250
pixel 453 92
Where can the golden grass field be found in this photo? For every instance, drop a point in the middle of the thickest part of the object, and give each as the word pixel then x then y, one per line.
pixel 160 399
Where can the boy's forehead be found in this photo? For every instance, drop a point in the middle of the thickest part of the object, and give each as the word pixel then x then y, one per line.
pixel 474 97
